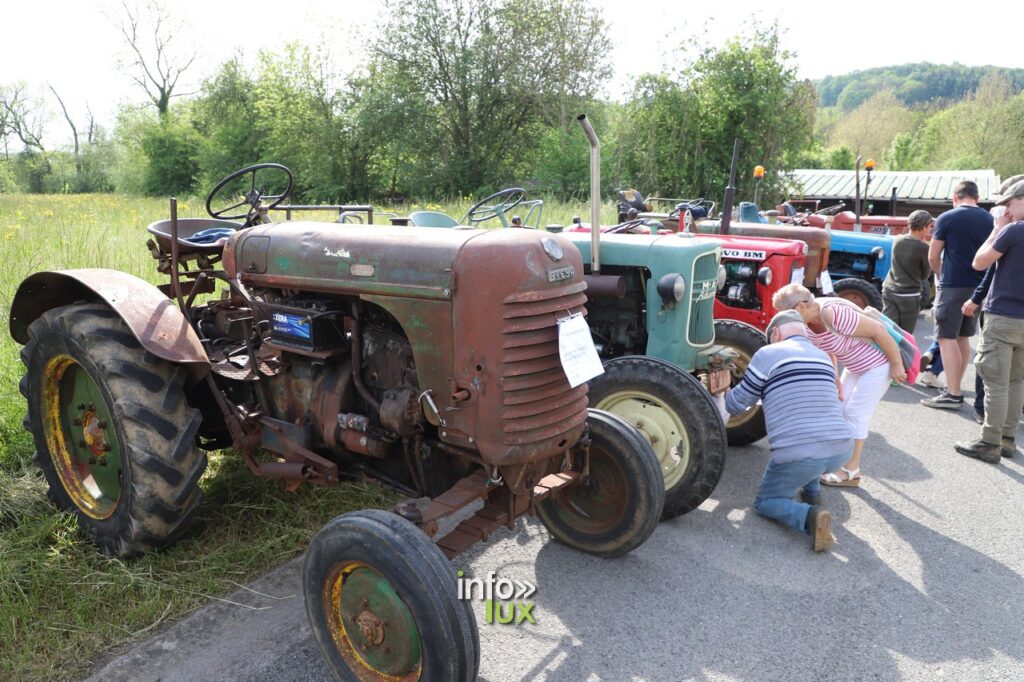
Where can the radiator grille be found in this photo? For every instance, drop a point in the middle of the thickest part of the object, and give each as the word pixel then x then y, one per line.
pixel 537 402
pixel 702 300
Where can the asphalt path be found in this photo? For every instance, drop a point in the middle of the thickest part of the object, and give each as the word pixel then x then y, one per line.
pixel 926 582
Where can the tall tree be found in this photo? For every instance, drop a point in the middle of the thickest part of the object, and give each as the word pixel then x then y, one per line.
pixel 23 116
pixel 483 75
pixel 74 137
pixel 156 62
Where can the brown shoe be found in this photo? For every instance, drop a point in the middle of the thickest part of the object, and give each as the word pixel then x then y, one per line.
pixel 979 449
pixel 1008 447
pixel 819 525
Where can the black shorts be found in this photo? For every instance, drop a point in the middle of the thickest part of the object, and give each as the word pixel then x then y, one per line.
pixel 950 321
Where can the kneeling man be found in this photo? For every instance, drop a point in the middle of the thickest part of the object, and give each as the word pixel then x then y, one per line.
pixel 808 436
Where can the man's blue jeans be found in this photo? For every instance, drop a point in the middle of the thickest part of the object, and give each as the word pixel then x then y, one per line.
pixel 783 481
pixel 936 366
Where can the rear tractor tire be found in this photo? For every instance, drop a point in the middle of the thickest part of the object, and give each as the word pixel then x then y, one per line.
pixel 114 434
pixel 617 508
pixel 746 427
pixel 383 604
pixel 860 291
pixel 676 415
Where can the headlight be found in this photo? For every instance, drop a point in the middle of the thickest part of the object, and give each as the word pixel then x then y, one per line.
pixel 764 276
pixel 672 288
pixel 722 276
pixel 878 252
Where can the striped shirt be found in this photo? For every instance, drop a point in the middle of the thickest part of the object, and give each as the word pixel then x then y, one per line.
pixel 796 384
pixel 856 354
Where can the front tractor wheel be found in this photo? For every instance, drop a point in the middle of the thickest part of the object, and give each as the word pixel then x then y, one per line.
pixel 746 427
pixel 860 291
pixel 383 604
pixel 676 415
pixel 618 506
pixel 114 435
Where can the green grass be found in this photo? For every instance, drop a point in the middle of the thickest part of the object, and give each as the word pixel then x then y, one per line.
pixel 62 604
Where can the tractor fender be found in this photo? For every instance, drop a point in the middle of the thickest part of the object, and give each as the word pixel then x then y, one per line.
pixel 154 319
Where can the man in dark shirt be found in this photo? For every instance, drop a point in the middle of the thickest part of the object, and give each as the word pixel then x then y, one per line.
pixel 959 233
pixel 1000 359
pixel 901 290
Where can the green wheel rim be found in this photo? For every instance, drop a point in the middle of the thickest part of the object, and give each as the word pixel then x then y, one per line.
pixel 81 438
pixel 373 629
pixel 661 426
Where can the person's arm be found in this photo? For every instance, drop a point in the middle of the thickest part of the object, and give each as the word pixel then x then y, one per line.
pixel 746 393
pixel 988 254
pixel 926 266
pixel 970 306
pixel 870 330
pixel 935 247
pixel 839 379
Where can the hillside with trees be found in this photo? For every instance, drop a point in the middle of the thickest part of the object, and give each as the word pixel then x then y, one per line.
pixel 911 84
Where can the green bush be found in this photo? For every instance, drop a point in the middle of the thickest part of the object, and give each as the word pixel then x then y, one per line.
pixel 8 181
pixel 172 149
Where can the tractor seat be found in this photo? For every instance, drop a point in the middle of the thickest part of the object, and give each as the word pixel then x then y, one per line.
pixel 195 235
pixel 431 219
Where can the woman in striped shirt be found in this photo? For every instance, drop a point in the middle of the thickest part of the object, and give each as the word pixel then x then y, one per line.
pixel 869 355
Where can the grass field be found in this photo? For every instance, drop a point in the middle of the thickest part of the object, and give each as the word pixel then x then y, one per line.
pixel 63 606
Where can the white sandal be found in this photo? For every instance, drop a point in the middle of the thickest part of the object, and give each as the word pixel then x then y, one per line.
pixel 852 479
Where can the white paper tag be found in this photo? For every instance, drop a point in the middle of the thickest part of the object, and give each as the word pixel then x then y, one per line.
pixel 826 283
pixel 798 276
pixel 577 352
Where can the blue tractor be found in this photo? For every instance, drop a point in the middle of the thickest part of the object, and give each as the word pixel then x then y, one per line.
pixel 858 263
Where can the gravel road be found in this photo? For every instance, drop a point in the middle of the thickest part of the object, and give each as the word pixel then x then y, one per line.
pixel 926 583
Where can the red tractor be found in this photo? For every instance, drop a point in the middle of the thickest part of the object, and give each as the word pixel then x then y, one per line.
pixel 759 259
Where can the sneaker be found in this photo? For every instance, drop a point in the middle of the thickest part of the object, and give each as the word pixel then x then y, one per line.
pixel 944 401
pixel 926 360
pixel 1008 448
pixel 979 416
pixel 979 449
pixel 931 380
pixel 819 525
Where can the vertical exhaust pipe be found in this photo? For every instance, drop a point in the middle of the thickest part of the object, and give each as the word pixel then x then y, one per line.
pixel 730 189
pixel 595 194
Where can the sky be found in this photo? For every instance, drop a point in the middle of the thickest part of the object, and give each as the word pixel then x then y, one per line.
pixel 75 47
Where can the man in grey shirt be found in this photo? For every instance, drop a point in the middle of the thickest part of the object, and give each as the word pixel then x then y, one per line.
pixel 901 290
pixel 808 435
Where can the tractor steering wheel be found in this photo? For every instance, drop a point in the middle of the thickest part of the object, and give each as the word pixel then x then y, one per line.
pixel 626 226
pixel 251 194
pixel 829 210
pixel 494 206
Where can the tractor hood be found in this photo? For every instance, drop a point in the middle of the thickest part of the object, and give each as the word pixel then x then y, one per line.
pixel 411 261
pixel 860 242
pixel 757 248
pixel 813 236
pixel 873 224
pixel 818 241
pixel 644 250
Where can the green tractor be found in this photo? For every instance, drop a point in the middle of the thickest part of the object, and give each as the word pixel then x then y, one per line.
pixel 428 360
pixel 664 310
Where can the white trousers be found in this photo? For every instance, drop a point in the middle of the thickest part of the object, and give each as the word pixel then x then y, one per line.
pixel 861 395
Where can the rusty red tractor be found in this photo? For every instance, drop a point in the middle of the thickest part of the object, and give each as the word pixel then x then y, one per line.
pixel 326 351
